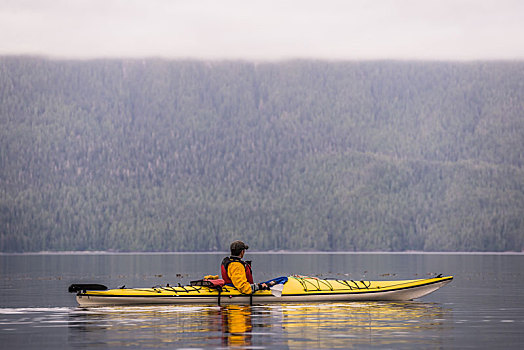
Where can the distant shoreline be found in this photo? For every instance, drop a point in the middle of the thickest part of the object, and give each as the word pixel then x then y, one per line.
pixel 258 252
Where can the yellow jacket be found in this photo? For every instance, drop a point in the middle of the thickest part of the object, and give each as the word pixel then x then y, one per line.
pixel 237 272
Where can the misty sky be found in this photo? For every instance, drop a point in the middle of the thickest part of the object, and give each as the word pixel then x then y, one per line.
pixel 265 30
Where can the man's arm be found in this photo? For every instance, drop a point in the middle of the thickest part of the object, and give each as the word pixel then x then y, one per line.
pixel 237 273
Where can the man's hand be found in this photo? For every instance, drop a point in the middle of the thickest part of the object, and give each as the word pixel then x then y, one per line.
pixel 267 286
pixel 263 286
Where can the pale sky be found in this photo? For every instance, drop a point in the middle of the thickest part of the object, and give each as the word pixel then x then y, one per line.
pixel 265 30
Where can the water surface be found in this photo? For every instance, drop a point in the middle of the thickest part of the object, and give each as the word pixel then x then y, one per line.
pixel 482 308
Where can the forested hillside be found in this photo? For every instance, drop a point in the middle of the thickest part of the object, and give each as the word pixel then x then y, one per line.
pixel 153 155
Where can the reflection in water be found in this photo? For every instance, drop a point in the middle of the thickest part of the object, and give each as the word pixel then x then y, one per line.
pixel 372 324
pixel 341 325
pixel 236 325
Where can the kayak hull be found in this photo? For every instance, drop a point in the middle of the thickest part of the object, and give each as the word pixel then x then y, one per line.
pixel 297 289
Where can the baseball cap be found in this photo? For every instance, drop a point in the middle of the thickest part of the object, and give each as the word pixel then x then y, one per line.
pixel 238 246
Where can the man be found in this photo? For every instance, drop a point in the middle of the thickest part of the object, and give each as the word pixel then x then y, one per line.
pixel 238 272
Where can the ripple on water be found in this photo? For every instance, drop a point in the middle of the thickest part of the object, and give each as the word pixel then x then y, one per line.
pixel 30 310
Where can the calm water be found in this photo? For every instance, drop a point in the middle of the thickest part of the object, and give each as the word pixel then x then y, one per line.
pixel 482 308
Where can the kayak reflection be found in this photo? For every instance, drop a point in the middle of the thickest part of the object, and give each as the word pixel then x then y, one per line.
pixel 371 324
pixel 328 325
pixel 152 326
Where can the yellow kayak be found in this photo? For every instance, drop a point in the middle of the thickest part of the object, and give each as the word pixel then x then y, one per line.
pixel 296 289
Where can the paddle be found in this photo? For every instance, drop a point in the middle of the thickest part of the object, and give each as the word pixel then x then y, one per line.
pixel 76 288
pixel 276 290
pixel 276 285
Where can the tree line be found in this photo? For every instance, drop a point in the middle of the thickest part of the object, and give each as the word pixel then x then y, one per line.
pixel 160 155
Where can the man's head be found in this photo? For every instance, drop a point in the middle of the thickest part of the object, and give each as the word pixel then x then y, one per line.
pixel 237 247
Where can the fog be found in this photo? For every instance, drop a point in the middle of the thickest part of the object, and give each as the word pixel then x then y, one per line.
pixel 264 30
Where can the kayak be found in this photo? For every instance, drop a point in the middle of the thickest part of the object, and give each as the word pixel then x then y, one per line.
pixel 295 289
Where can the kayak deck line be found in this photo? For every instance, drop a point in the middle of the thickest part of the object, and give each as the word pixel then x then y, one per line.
pixel 393 287
pixel 296 289
pixel 161 290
